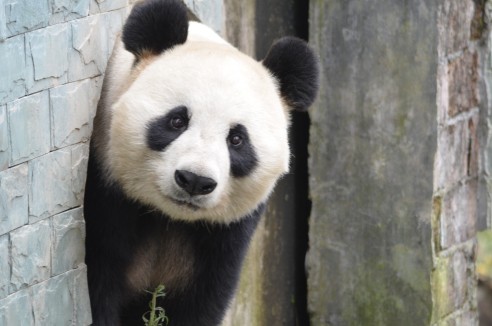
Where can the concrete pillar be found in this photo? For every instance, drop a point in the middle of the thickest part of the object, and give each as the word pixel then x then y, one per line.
pixel 373 138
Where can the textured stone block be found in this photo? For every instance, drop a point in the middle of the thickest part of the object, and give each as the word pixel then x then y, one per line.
pixel 29 121
pixel 52 302
pixel 16 309
pixel 99 6
pixel 65 10
pixel 4 266
pixel 80 292
pixel 24 16
pixel 450 284
pixel 62 300
pixel 80 158
pixel 468 317
pixel 458 215
pixel 30 254
pixel 457 153
pixel 13 198
pixel 89 52
pixel 68 241
pixel 92 42
pixel 3 24
pixel 455 18
pixel 70 113
pixel 12 69
pixel 51 185
pixel 49 50
pixel 4 139
pixel 463 83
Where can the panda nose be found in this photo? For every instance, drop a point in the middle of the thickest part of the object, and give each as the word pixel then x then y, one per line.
pixel 193 183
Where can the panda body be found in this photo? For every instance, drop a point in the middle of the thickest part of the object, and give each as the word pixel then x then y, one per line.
pixel 189 139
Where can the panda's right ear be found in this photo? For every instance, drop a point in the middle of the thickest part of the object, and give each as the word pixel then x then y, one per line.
pixel 154 26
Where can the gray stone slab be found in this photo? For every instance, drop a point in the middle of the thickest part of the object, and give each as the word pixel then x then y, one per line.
pixel 13 198
pixel 70 113
pixel 48 48
pixel 30 254
pixel 16 309
pixel 53 303
pixel 24 16
pixel 62 300
pixel 99 6
pixel 372 145
pixel 4 139
pixel 65 10
pixel 29 122
pixel 89 52
pixel 50 180
pixel 80 157
pixel 4 266
pixel 80 293
pixel 92 43
pixel 13 69
pixel 3 24
pixel 68 241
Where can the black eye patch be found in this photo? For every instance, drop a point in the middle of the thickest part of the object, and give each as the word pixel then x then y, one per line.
pixel 162 131
pixel 241 152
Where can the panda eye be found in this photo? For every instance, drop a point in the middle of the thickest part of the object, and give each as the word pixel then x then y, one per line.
pixel 178 122
pixel 236 140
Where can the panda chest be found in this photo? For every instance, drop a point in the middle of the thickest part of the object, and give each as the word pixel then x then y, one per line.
pixel 163 258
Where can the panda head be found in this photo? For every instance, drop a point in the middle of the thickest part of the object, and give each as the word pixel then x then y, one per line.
pixel 200 131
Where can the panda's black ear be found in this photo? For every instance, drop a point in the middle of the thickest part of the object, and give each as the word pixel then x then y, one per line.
pixel 296 68
pixel 154 26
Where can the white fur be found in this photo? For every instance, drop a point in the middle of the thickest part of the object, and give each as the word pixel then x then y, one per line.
pixel 221 87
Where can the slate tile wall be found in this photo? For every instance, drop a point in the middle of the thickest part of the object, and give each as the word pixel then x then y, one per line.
pixel 53 55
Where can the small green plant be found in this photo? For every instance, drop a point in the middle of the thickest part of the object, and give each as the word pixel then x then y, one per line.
pixel 156 316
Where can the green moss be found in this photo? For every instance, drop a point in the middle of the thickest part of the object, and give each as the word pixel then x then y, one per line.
pixel 384 296
pixel 440 290
pixel 484 257
pixel 436 222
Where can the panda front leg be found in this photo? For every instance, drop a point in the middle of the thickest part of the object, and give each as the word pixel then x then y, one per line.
pixel 107 294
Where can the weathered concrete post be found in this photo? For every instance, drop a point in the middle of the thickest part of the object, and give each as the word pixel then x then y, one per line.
pixel 393 167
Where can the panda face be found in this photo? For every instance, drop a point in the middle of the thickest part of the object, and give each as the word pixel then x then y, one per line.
pixel 200 133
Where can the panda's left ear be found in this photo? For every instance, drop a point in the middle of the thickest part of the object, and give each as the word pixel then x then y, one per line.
pixel 296 68
pixel 154 26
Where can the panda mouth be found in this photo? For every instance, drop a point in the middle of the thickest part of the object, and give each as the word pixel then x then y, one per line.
pixel 183 203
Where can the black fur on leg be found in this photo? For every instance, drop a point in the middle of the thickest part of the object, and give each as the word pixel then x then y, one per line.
pixel 296 67
pixel 155 26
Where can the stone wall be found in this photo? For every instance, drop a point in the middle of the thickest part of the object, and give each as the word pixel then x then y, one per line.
pixel 456 166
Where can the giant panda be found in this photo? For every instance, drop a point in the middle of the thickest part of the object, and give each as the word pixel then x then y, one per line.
pixel 189 140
